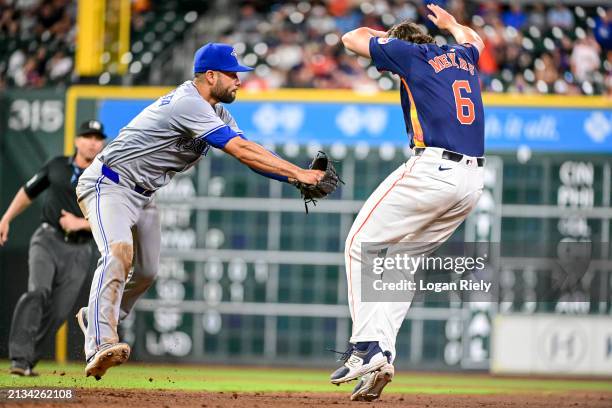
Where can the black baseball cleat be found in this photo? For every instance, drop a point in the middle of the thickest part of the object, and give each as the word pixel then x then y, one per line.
pixel 370 386
pixel 22 368
pixel 109 355
pixel 81 317
pixel 360 359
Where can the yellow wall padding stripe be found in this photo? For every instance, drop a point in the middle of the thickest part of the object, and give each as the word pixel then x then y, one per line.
pixel 125 13
pixel 90 37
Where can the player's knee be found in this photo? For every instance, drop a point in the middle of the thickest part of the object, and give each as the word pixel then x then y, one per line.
pixel 124 253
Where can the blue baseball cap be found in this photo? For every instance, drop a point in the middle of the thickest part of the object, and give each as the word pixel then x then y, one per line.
pixel 217 57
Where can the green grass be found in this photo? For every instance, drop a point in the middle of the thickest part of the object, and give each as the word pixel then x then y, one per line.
pixel 249 379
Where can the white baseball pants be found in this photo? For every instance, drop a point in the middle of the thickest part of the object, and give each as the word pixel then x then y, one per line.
pixel 423 201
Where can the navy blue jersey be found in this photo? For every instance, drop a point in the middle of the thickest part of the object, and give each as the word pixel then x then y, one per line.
pixel 440 92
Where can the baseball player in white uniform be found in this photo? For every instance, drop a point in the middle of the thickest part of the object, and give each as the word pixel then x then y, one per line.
pixel 115 193
pixel 426 198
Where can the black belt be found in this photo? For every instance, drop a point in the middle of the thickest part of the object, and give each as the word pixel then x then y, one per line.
pixel 114 177
pixel 76 237
pixel 448 155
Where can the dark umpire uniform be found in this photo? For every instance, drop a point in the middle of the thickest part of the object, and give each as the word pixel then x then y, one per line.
pixel 60 260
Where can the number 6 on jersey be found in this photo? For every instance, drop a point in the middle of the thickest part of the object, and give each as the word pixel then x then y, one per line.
pixel 464 105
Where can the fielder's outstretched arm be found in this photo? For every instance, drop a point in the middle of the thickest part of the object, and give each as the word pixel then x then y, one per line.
pixel 262 161
pixel 463 34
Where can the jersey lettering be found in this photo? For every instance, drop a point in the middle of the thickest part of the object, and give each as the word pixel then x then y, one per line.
pixel 445 61
pixel 164 100
pixel 435 65
pixel 448 60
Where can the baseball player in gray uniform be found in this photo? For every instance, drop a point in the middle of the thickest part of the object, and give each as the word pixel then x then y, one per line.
pixel 115 193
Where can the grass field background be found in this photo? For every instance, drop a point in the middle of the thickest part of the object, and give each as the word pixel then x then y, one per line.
pixel 250 379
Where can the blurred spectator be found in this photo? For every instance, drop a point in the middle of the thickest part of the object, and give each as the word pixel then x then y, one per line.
pixel 585 58
pixel 59 66
pixel 560 16
pixel 289 52
pixel 537 16
pixel 603 28
pixel 515 17
pixel 248 20
pixel 9 22
pixel 546 70
pixel 255 83
pixel 141 6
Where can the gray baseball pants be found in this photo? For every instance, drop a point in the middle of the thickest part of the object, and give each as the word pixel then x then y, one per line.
pixel 126 227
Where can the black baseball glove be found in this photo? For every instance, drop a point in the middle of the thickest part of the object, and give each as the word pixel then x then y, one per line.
pixel 328 184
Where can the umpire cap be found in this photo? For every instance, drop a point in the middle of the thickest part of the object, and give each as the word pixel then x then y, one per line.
pixel 92 127
pixel 217 57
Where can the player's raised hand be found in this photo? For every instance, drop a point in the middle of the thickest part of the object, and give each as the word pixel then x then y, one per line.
pixel 441 18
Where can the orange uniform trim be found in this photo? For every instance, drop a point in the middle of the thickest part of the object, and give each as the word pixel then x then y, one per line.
pixel 414 119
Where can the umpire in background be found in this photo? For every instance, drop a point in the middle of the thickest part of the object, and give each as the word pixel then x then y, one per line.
pixel 61 250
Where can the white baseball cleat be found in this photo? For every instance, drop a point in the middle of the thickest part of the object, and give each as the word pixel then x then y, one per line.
pixel 109 355
pixel 81 317
pixel 360 359
pixel 371 385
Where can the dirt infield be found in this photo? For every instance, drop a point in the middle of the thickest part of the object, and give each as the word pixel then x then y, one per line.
pixel 165 399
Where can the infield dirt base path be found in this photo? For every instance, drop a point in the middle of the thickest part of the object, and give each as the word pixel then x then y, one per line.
pixel 169 399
